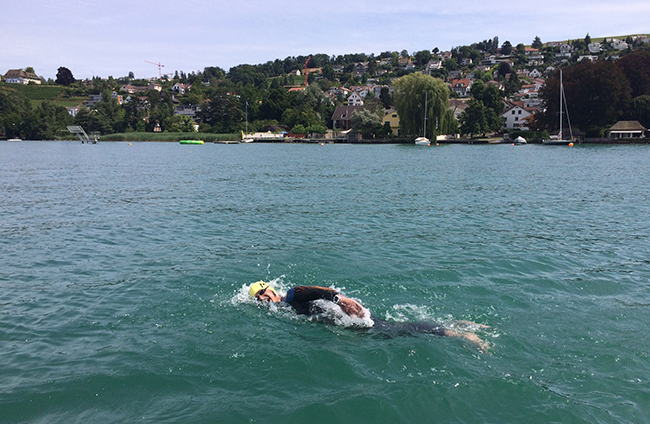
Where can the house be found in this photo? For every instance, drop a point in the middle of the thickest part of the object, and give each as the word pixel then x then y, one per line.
pixel 341 116
pixel 92 101
pixel 155 86
pixel 188 110
pixel 535 73
pixel 355 99
pixel 594 48
pixel 18 76
pixel 118 98
pixel 132 89
pixel 360 68
pixel 516 116
pixel 627 129
pixel 433 65
pixel 392 118
pixel 458 106
pixel 461 87
pixel 181 88
pixel 338 91
pixel 377 90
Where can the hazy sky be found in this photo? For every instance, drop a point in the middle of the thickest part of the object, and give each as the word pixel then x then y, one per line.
pixel 111 38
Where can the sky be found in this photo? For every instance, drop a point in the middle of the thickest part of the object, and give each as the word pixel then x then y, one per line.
pixel 112 38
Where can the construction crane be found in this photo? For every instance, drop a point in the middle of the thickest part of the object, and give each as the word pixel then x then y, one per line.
pixel 160 66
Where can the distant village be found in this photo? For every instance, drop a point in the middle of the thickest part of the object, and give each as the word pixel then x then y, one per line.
pixel 350 85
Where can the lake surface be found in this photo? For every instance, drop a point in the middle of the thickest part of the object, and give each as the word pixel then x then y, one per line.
pixel 124 271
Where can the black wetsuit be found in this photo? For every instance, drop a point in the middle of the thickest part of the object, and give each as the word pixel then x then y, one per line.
pixel 301 298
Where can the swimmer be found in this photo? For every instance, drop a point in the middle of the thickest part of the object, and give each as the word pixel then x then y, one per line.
pixel 302 300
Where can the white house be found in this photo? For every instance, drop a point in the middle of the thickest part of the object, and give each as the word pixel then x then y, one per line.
pixel 181 88
pixel 461 87
pixel 355 99
pixel 18 76
pixel 515 117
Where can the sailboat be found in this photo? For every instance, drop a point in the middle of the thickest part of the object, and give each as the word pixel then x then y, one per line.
pixel 424 141
pixel 560 140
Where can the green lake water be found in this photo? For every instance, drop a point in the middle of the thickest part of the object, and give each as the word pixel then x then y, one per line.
pixel 124 268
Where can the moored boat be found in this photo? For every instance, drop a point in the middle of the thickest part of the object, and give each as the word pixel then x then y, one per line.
pixel 559 139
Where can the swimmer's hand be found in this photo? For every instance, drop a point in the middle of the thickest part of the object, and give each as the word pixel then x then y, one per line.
pixel 351 307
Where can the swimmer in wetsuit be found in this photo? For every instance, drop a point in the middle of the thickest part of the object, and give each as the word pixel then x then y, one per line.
pixel 301 299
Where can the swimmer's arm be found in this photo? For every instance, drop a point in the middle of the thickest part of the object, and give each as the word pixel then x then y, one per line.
pixel 347 305
pixel 350 306
pixel 471 337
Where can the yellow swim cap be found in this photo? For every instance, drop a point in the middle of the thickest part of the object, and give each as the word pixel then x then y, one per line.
pixel 259 285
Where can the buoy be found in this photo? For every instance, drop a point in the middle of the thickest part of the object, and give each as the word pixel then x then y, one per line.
pixel 130 144
pixel 570 144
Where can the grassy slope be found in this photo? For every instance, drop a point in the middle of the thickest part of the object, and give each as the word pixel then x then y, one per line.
pixel 38 93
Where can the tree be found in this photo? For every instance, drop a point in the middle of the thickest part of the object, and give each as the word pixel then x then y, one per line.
pixel 473 120
pixel 422 58
pixel 64 76
pixel 504 69
pixel 506 48
pixel 640 110
pixel 484 112
pixel 597 95
pixel 537 43
pixel 365 122
pixel 409 100
pixel 636 67
pixel 223 112
pixel 587 40
pixel 385 97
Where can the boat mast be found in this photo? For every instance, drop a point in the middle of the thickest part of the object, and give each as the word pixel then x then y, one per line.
pixel 425 113
pixel 561 90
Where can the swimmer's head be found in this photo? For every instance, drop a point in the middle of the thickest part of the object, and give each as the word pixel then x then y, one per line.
pixel 258 287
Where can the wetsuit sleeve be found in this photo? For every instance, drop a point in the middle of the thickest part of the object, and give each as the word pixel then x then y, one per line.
pixel 309 293
pixel 300 297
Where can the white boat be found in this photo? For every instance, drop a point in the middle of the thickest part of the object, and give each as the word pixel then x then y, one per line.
pixel 519 141
pixel 559 139
pixel 423 141
pixel 14 139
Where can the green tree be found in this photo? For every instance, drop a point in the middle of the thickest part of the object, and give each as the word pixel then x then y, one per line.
pixel 506 48
pixel 640 110
pixel 365 122
pixel 422 58
pixel 179 123
pixel 474 119
pixel 492 98
pixel 537 43
pixel 223 113
pixel 64 76
pixel 409 100
pixel 385 97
